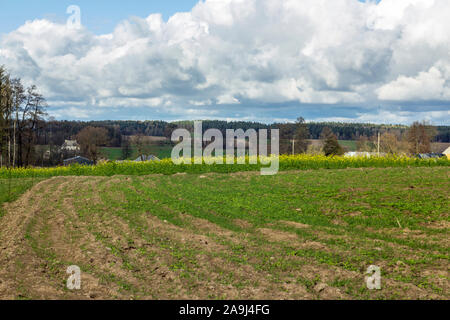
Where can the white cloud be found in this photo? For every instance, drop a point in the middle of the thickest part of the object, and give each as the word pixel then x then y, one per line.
pixel 74 112
pixel 392 116
pixel 427 85
pixel 229 52
pixel 227 99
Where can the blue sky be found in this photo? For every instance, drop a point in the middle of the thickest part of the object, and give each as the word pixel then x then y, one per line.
pixel 99 16
pixel 261 60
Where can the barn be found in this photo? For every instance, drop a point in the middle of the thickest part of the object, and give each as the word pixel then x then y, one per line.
pixel 78 160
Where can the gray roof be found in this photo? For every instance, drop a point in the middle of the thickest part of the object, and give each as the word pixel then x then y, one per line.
pixel 430 155
pixel 78 159
pixel 147 158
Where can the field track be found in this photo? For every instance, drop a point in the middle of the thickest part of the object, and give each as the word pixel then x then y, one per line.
pixel 217 236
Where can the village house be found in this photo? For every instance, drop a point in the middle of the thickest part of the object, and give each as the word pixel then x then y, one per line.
pixel 70 145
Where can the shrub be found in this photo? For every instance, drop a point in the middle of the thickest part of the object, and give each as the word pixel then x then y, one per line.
pixel 166 166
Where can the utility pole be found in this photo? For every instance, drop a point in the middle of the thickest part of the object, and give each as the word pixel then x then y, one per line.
pixel 293 147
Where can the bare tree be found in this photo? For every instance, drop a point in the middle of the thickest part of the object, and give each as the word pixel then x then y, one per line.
pixel 389 143
pixel 141 145
pixel 363 144
pixel 90 139
pixel 5 115
pixel 419 137
pixel 301 136
pixel 21 117
pixel 18 100
pixel 32 112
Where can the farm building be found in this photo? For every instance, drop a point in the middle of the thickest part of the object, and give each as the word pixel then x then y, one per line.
pixel 447 152
pixel 78 160
pixel 354 154
pixel 146 158
pixel 430 155
pixel 70 145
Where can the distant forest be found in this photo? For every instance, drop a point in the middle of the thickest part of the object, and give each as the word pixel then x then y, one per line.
pixel 55 132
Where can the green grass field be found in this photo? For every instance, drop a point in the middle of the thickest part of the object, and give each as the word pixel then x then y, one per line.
pixel 161 151
pixel 299 234
pixel 348 144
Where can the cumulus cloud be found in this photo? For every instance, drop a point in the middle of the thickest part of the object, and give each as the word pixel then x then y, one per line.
pixel 246 54
pixel 427 85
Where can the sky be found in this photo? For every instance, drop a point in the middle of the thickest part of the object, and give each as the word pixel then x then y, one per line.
pixel 99 16
pixel 382 61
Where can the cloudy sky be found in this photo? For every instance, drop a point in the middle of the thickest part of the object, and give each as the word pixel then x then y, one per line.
pixel 261 60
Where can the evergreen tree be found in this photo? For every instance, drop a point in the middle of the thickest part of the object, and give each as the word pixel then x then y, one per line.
pixel 331 145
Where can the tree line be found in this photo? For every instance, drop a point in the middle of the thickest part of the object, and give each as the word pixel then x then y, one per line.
pixel 58 131
pixel 22 112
